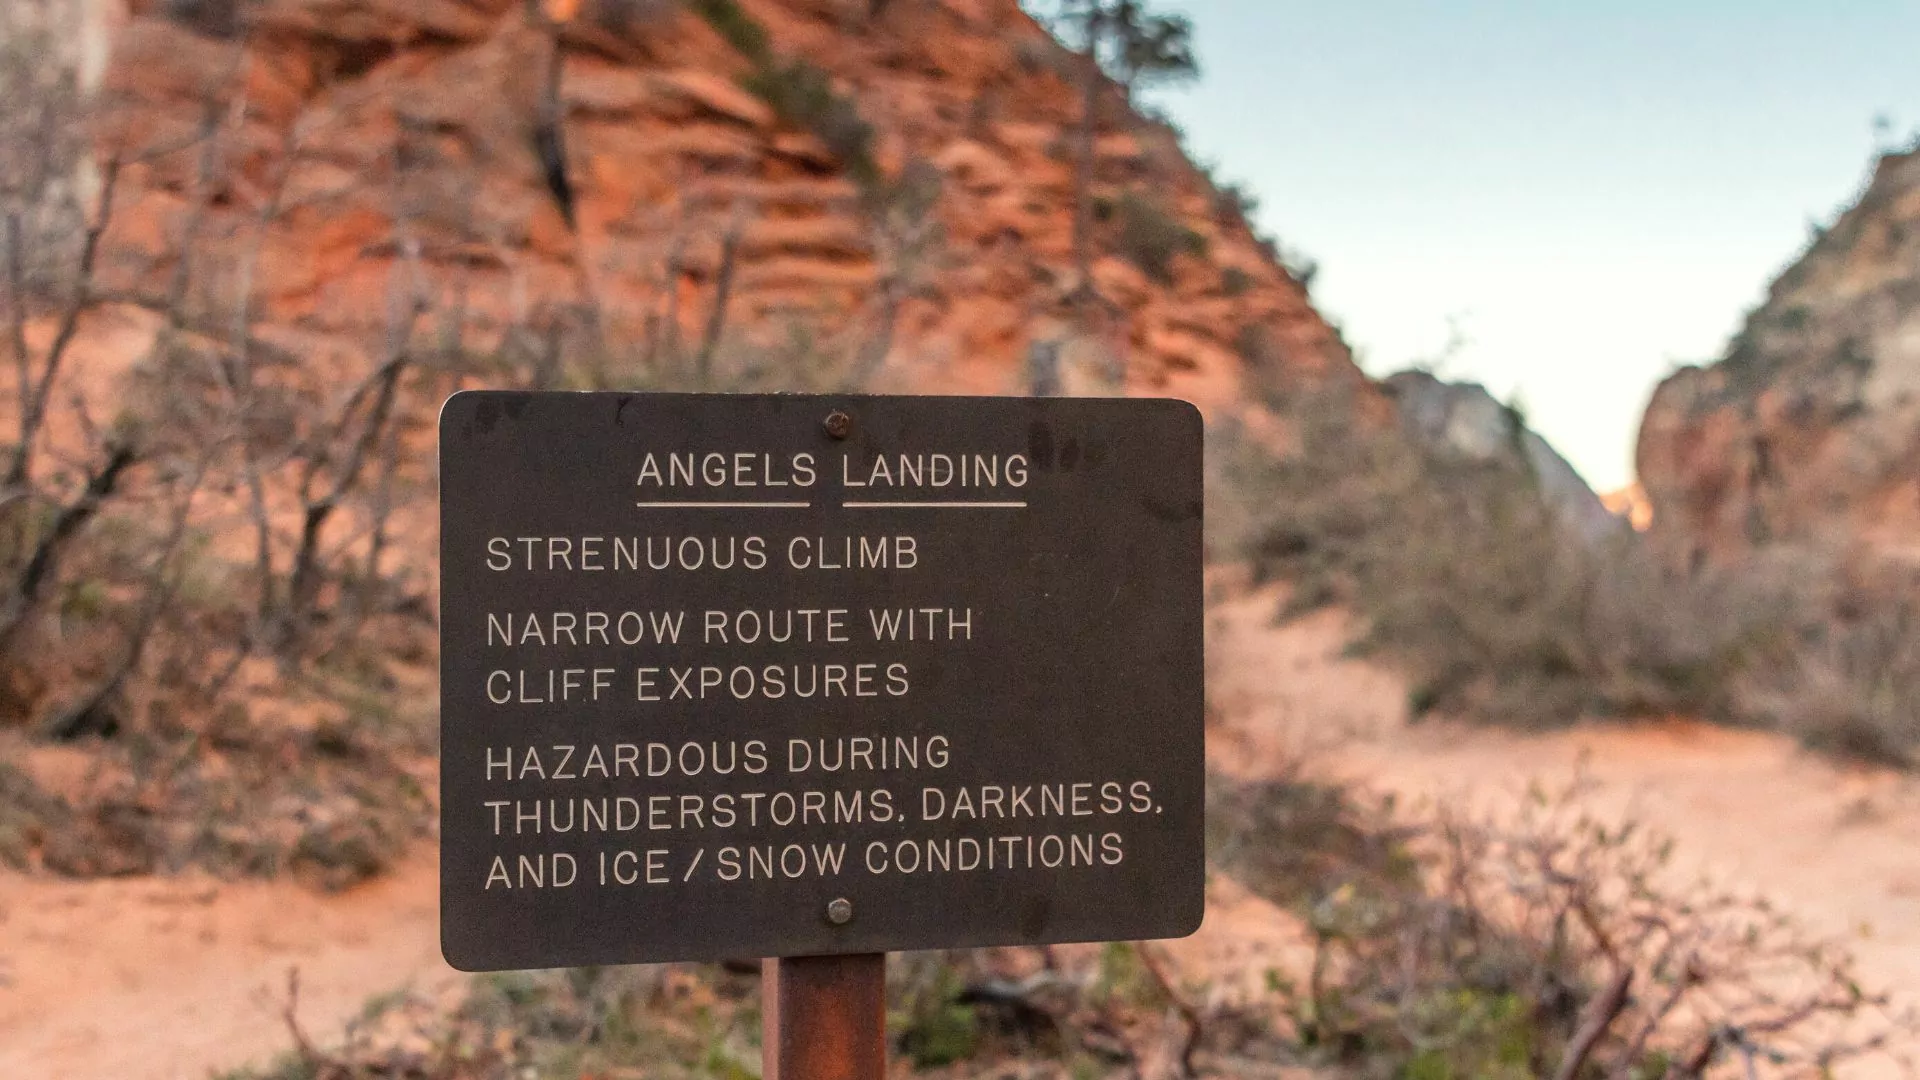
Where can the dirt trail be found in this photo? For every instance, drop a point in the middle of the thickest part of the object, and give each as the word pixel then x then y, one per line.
pixel 174 978
pixel 1837 846
pixel 169 978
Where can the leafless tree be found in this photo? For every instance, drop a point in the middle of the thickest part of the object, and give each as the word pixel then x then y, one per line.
pixel 906 238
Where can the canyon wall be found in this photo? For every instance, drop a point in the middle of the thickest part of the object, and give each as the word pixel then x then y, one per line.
pixel 1808 430
pixel 771 183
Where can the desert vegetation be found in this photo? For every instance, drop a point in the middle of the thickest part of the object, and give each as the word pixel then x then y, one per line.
pixel 1118 47
pixel 1501 611
pixel 1534 939
pixel 1546 940
pixel 213 584
pixel 209 548
pixel 217 494
pixel 237 693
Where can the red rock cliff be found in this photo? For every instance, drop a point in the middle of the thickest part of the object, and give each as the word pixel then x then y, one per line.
pixel 360 143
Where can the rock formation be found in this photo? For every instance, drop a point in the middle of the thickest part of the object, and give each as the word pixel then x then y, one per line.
pixel 1463 419
pixel 1808 430
pixel 725 183
pixel 252 245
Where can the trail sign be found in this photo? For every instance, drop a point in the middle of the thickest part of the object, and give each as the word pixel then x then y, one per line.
pixel 786 675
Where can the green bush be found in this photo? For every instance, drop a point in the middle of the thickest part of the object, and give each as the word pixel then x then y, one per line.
pixel 934 1026
pixel 1151 238
pixel 739 29
pixel 1470 1034
pixel 803 96
pixel 1236 203
pixel 800 93
pixel 1121 978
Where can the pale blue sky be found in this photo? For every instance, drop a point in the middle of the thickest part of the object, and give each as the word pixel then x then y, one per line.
pixel 1597 191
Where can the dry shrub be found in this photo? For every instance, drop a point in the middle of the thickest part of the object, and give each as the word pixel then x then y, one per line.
pixel 248 499
pixel 790 358
pixel 27 815
pixel 983 1013
pixel 107 522
pixel 1548 941
pixel 1465 574
pixel 1500 612
pixel 1292 836
pixel 1542 940
pixel 617 1021
pixel 332 799
pixel 1850 683
pixel 1538 940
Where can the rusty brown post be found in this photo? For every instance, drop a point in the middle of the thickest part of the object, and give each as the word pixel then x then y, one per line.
pixel 824 1017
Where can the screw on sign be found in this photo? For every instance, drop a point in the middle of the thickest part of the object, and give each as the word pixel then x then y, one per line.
pixel 816 678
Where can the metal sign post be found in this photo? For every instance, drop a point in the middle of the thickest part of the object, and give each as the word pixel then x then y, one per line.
pixel 824 1017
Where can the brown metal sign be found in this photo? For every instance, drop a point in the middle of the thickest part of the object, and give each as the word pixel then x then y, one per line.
pixel 785 675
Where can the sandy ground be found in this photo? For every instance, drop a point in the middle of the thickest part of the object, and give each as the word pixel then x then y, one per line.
pixel 175 978
pixel 1838 847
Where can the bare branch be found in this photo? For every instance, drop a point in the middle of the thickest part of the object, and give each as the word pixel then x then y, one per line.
pixel 1601 1012
pixel 722 295
pixel 42 566
pixel 91 714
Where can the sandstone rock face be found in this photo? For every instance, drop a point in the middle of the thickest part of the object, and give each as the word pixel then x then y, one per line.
pixel 1808 430
pixel 332 155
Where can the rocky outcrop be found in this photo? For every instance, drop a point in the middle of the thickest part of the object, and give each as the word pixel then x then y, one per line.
pixel 1808 430
pixel 1464 420
pixel 623 178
